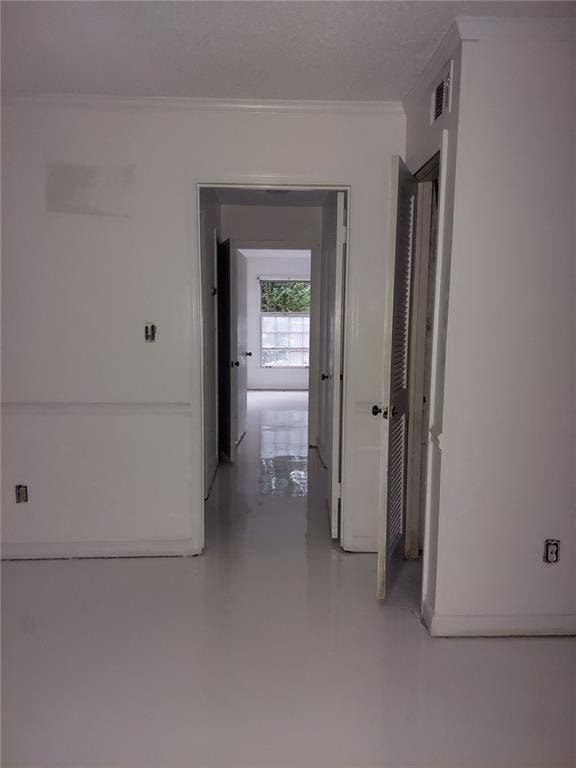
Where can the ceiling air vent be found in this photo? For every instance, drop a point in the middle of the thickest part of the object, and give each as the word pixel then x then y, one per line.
pixel 441 96
pixel 438 101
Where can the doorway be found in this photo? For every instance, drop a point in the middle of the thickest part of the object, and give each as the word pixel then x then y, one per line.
pixel 273 286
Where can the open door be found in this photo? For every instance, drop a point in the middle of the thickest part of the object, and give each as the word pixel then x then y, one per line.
pixel 395 394
pixel 226 445
pixel 240 354
pixel 423 289
pixel 232 353
pixel 330 401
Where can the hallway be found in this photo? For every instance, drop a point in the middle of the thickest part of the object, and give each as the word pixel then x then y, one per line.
pixel 269 650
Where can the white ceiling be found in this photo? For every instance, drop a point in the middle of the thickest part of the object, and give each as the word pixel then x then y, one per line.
pixel 351 50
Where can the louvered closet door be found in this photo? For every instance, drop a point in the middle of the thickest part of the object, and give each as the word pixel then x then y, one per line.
pixel 396 370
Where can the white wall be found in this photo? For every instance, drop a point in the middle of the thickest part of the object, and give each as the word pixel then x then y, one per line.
pixel 507 433
pixel 78 288
pixel 281 225
pixel 102 479
pixel 272 266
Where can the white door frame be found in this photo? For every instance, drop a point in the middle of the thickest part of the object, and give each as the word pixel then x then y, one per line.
pixel 419 316
pixel 423 312
pixel 437 362
pixel 430 472
pixel 199 314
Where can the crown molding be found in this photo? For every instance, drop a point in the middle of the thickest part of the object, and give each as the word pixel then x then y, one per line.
pixel 446 50
pixel 185 104
pixel 471 29
pixel 546 29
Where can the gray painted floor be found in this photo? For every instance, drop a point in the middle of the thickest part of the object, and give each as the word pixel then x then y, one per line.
pixel 269 650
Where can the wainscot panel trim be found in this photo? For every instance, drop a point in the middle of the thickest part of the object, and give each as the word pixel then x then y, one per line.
pixel 97 408
pixel 102 549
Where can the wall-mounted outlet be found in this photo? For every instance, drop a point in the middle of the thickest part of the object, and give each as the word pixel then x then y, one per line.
pixel 551 550
pixel 21 494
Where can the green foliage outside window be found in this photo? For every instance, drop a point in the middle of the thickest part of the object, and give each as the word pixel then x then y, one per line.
pixel 285 295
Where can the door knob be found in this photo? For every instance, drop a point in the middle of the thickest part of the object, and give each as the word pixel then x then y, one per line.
pixel 324 376
pixel 376 410
pixel 247 354
pixel 235 364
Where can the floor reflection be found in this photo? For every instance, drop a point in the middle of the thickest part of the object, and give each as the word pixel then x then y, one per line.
pixel 283 453
pixel 268 650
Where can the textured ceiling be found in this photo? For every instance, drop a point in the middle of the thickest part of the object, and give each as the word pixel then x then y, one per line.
pixel 254 50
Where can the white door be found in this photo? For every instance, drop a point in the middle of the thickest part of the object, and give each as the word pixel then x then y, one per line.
pixel 395 393
pixel 241 371
pixel 331 351
pixel 232 353
pixel 238 359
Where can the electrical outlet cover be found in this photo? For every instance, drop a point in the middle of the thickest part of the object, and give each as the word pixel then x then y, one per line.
pixel 551 550
pixel 21 494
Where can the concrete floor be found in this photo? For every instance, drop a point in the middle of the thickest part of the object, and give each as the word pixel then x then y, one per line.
pixel 269 650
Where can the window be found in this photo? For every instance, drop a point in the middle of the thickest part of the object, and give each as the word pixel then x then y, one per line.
pixel 285 323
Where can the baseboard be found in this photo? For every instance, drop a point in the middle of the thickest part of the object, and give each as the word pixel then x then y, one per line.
pixel 427 613
pixel 59 550
pixel 355 543
pixel 213 480
pixel 470 625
